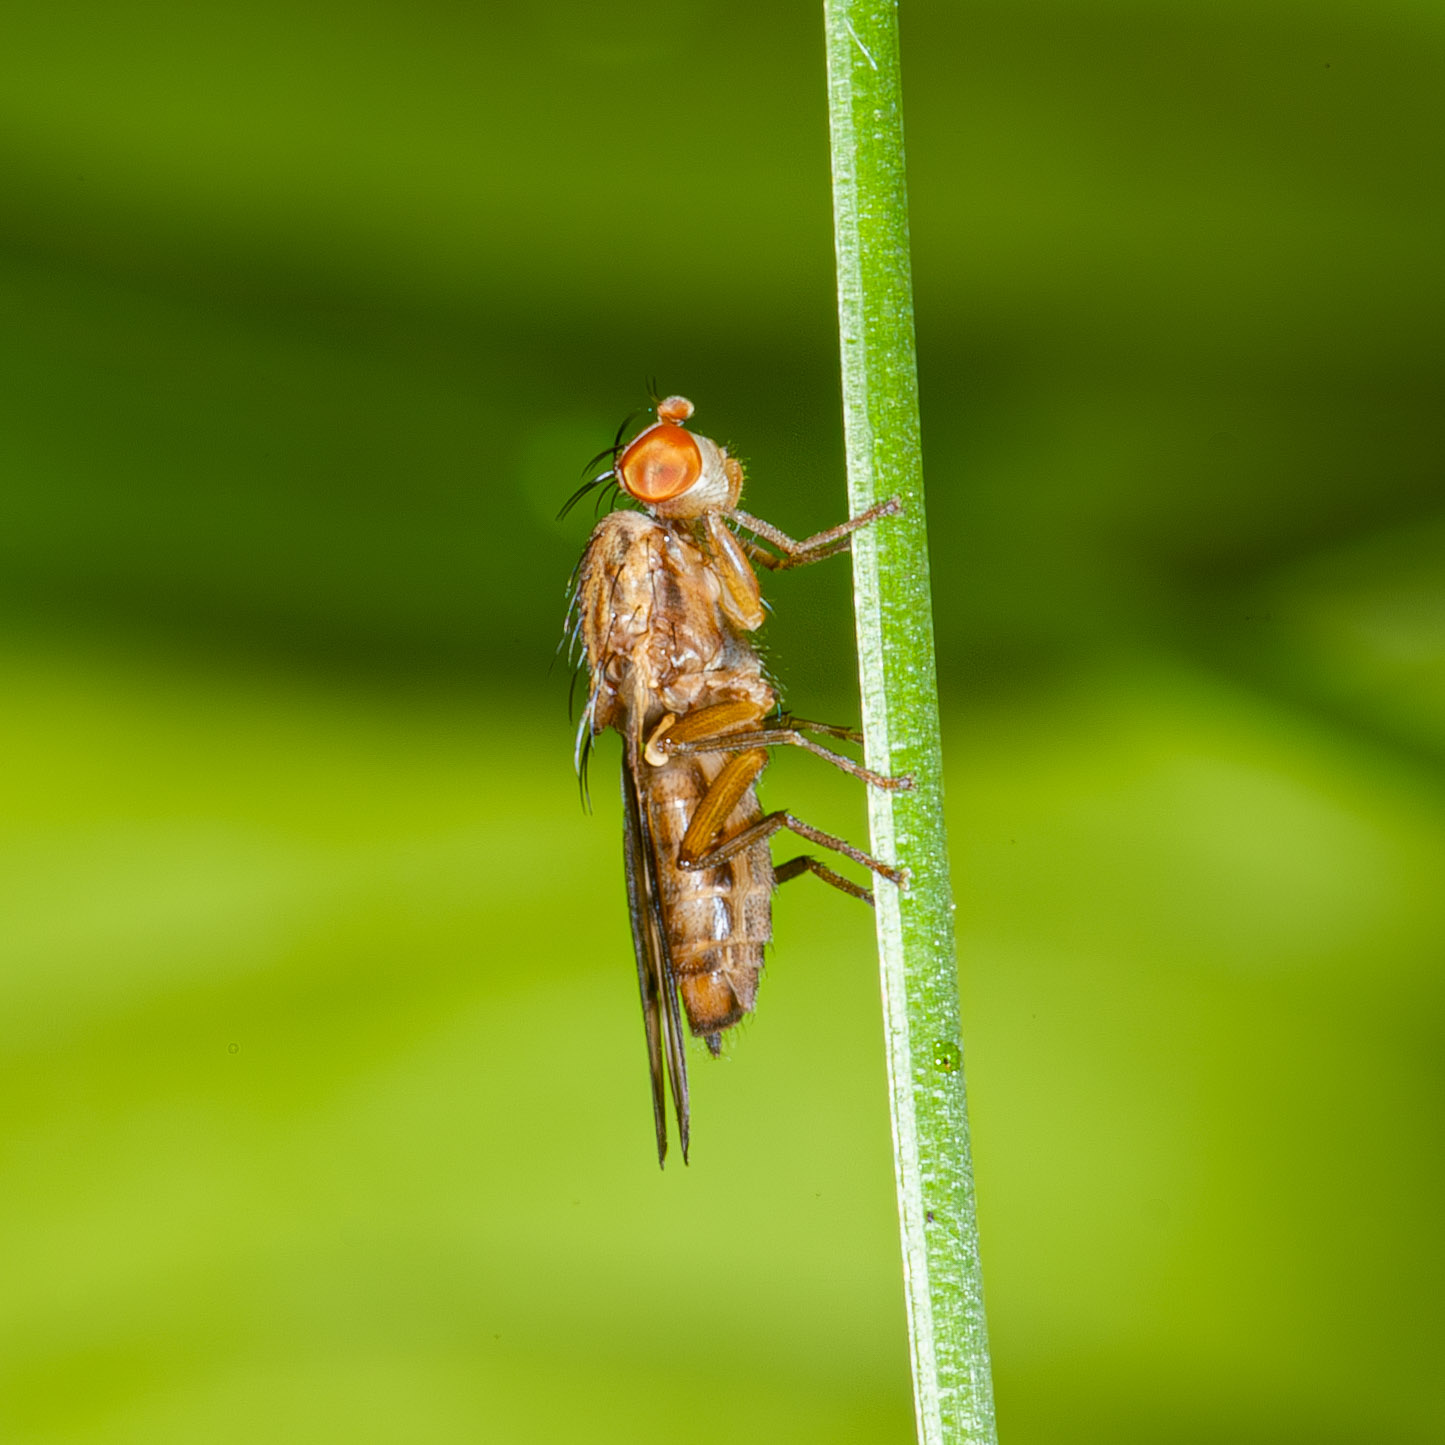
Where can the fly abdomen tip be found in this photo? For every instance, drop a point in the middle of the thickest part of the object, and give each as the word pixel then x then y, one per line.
pixel 714 1044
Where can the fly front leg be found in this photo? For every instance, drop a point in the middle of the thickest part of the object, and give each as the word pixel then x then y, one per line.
pixel 772 561
pixel 810 549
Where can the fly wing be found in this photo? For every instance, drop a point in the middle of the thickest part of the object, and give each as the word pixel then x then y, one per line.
pixel 660 1013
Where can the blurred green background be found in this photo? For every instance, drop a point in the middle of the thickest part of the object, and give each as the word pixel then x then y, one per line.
pixel 323 1090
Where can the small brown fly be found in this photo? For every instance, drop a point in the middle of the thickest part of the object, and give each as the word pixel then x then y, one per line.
pixel 665 599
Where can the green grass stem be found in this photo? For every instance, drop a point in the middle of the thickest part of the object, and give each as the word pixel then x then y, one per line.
pixel 953 1390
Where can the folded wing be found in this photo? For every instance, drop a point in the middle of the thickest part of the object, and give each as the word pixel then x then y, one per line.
pixel 661 1016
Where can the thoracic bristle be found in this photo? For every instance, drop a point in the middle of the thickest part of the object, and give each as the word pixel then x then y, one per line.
pixel 714 1044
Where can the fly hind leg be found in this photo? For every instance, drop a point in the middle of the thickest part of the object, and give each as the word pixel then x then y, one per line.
pixel 796 867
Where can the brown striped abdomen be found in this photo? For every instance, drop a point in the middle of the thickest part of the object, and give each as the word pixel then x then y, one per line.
pixel 717 920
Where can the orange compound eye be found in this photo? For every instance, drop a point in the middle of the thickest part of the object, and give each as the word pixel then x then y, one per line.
pixel 660 464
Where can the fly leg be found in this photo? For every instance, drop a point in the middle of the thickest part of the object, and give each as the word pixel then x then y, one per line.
pixel 810 549
pixel 696 733
pixel 698 851
pixel 772 823
pixel 773 562
pixel 667 743
pixel 727 717
pixel 796 867
pixel 833 730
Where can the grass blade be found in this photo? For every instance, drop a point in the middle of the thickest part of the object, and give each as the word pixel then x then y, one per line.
pixel 953 1389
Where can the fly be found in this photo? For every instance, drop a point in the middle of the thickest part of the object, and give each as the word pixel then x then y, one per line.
pixel 665 600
